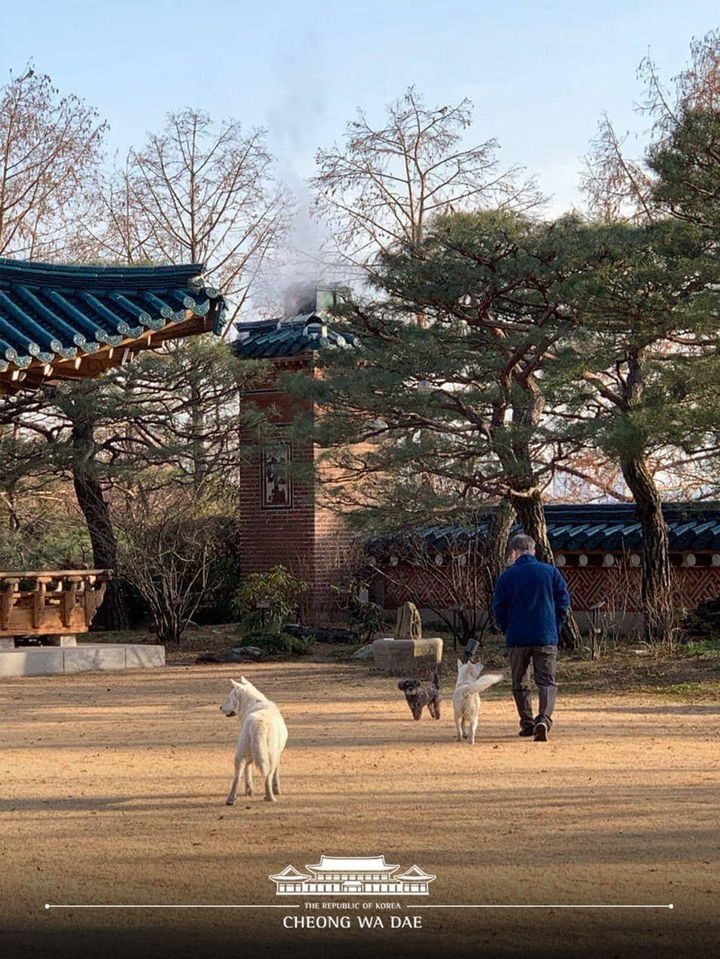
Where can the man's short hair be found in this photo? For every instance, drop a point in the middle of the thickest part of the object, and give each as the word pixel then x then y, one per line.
pixel 522 544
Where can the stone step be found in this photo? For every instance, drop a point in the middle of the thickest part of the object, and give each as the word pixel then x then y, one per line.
pixel 85 657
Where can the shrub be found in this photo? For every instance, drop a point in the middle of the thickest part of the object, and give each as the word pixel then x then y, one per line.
pixel 277 592
pixel 275 644
pixel 167 546
pixel 365 616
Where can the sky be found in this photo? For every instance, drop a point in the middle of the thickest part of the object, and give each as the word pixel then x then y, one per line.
pixel 539 72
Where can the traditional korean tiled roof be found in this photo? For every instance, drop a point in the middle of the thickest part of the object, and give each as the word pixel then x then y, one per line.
pixel 73 321
pixel 292 336
pixel 693 527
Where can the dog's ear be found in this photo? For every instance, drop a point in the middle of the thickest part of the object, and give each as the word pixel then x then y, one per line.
pixel 460 664
pixel 243 681
pixel 235 685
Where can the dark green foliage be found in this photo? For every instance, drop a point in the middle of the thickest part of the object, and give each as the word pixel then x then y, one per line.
pixel 277 644
pixel 45 539
pixel 687 165
pixel 274 595
pixel 223 578
pixel 502 347
pixel 703 623
pixel 446 386
pixel 367 617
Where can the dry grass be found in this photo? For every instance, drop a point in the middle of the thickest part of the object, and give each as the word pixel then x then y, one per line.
pixel 113 789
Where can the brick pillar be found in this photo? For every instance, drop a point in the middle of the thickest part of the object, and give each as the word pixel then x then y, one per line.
pixel 282 519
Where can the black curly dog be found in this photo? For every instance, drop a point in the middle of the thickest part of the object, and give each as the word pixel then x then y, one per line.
pixel 422 692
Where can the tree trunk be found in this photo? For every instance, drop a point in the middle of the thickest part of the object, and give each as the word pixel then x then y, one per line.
pixel 530 512
pixel 523 493
pixel 656 588
pixel 531 515
pixel 501 521
pixel 112 613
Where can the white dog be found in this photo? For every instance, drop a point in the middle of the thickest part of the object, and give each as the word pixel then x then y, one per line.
pixel 263 735
pixel 466 698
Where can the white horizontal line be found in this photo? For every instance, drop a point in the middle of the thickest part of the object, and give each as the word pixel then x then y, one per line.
pixel 111 905
pixel 618 905
pixel 104 905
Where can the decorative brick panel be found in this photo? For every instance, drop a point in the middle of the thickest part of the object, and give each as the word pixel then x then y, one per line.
pixel 696 585
pixel 617 586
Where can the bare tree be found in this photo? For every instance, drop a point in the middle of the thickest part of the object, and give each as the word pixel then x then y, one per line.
pixel 167 548
pixel 50 146
pixel 616 186
pixel 196 192
pixel 619 186
pixel 382 187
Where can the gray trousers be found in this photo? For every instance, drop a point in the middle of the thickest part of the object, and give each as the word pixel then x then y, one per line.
pixel 544 660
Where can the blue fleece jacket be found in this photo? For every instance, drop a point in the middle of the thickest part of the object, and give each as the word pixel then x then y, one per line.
pixel 530 603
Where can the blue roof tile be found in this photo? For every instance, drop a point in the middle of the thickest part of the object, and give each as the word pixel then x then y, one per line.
pixel 292 336
pixel 693 527
pixel 53 313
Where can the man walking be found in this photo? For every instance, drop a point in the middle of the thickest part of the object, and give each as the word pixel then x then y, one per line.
pixel 530 604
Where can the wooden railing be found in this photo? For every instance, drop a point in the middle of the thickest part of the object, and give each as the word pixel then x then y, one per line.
pixel 50 602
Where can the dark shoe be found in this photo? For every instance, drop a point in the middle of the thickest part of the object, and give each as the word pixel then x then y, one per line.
pixel 527 731
pixel 540 733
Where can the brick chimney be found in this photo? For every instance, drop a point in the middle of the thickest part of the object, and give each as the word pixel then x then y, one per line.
pixel 283 519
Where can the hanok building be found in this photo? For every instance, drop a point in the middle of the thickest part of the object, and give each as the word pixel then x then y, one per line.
pixel 283 516
pixel 367 876
pixel 72 323
pixel 596 546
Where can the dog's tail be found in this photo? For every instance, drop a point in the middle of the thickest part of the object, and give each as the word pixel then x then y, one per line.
pixel 484 682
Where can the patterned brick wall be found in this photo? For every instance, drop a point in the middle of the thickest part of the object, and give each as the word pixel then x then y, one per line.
pixel 618 586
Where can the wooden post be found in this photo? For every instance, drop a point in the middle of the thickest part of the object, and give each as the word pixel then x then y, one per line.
pixel 69 597
pixel 7 600
pixel 38 606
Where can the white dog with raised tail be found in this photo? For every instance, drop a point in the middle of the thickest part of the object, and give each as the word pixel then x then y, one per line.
pixel 263 735
pixel 466 698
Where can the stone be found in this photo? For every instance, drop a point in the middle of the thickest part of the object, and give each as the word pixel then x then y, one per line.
pixel 31 661
pixel 144 656
pixel 92 656
pixel 365 652
pixel 87 657
pixel 407 657
pixel 244 653
pixel 409 624
pixel 332 634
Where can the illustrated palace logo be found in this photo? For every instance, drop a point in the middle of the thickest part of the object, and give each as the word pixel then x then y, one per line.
pixel 365 876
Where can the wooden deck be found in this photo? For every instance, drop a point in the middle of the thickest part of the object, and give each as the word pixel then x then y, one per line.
pixel 49 604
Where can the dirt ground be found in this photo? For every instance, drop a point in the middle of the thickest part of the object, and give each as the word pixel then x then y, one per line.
pixel 113 795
